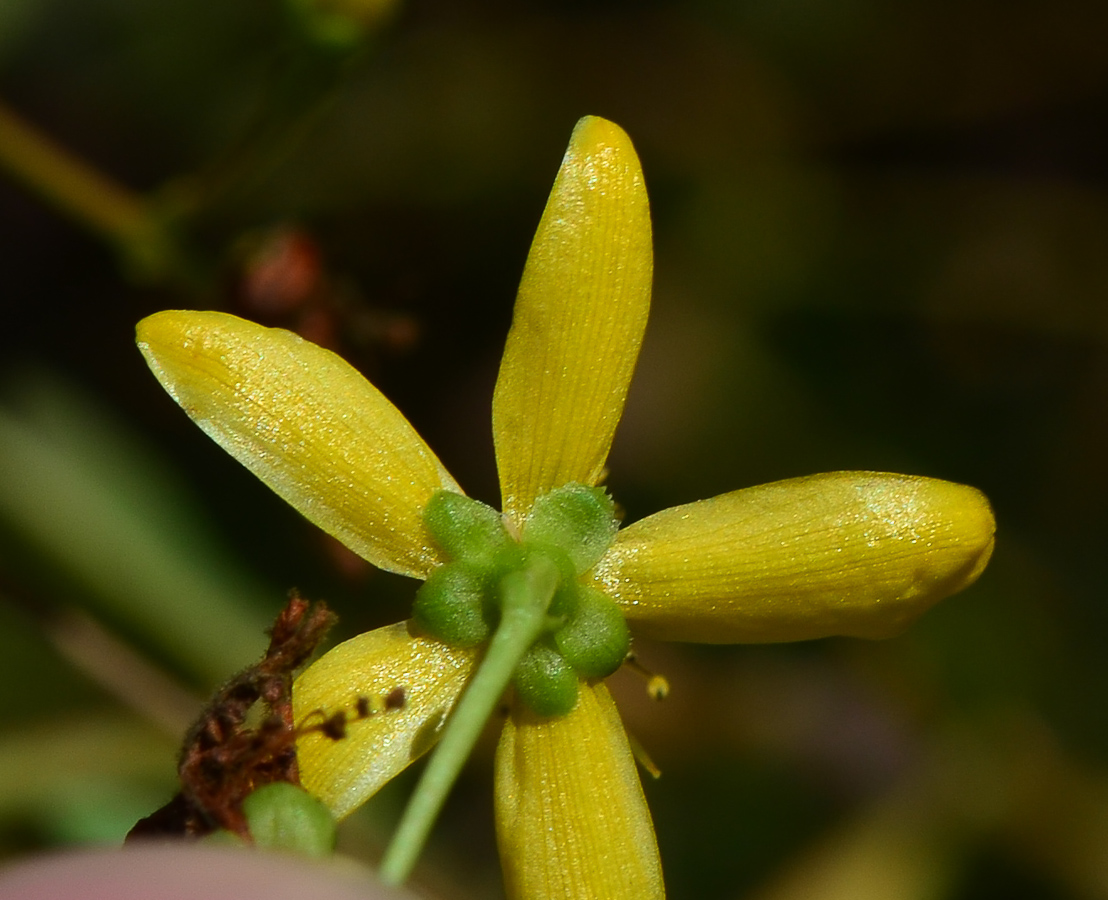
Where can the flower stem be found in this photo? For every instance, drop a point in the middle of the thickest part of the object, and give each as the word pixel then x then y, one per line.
pixel 526 596
pixel 110 210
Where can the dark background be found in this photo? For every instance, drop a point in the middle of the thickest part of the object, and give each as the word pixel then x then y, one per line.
pixel 880 236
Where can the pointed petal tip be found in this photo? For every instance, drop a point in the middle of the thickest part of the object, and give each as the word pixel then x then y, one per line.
pixel 151 323
pixel 971 535
pixel 593 130
pixel 158 320
pixel 166 339
pixel 972 519
pixel 167 327
pixel 578 323
pixel 157 331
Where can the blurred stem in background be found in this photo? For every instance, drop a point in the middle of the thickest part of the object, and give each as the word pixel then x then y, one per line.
pixel 106 567
pixel 121 537
pixel 122 218
pixel 103 554
pixel 150 232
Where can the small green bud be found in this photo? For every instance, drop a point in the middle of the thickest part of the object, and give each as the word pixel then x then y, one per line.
pixel 544 682
pixel 576 518
pixel 221 837
pixel 595 640
pixel 465 528
pixel 283 816
pixel 452 605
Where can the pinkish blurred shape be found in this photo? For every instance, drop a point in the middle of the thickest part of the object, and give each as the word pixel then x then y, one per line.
pixel 187 872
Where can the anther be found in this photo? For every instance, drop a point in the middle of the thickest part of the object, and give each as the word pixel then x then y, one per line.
pixel 657 686
pixel 642 757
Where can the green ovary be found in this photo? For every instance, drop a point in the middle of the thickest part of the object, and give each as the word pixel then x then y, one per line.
pixel 460 603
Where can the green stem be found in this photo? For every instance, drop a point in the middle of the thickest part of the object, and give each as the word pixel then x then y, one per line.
pixel 69 183
pixel 526 596
pixel 105 207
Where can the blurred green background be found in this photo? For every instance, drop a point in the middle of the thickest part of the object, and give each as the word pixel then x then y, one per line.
pixel 880 244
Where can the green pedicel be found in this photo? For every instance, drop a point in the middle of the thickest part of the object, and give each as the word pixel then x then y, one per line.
pixel 545 630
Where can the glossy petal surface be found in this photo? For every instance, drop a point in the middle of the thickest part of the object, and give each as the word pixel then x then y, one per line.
pixel 846 553
pixel 571 820
pixel 307 424
pixel 345 773
pixel 578 322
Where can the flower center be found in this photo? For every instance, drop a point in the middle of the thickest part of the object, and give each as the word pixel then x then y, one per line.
pixel 567 531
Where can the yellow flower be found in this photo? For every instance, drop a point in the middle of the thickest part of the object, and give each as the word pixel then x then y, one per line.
pixel 847 553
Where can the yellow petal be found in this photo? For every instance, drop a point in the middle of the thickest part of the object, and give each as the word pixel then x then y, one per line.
pixel 345 773
pixel 578 321
pixel 850 553
pixel 307 424
pixel 571 821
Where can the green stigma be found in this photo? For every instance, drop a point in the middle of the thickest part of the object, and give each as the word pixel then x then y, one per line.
pixel 583 634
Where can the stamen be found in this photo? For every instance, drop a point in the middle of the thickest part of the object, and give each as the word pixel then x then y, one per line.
pixel 642 757
pixel 657 685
